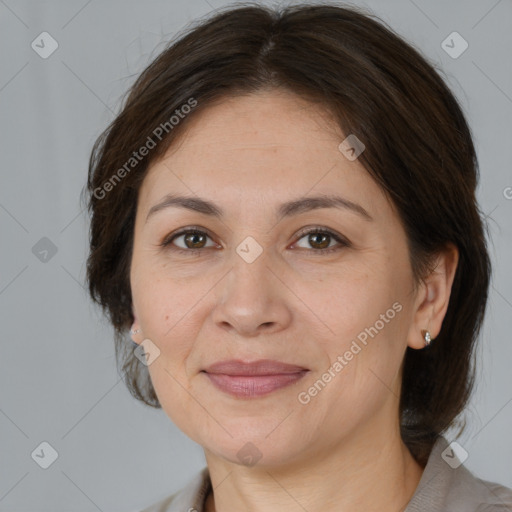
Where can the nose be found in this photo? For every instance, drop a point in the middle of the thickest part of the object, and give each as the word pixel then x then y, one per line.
pixel 252 299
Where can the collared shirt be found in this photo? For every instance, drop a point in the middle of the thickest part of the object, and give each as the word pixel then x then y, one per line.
pixel 445 486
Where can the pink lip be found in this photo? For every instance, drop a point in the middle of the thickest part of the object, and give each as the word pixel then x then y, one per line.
pixel 258 378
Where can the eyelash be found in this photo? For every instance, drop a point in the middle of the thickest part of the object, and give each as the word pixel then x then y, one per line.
pixel 196 230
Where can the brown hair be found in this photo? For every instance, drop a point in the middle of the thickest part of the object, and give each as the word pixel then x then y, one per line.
pixel 419 149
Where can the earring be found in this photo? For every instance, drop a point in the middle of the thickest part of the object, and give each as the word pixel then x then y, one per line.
pixel 134 331
pixel 426 335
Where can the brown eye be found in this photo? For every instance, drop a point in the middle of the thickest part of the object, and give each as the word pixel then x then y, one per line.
pixel 194 240
pixel 319 240
pixel 191 240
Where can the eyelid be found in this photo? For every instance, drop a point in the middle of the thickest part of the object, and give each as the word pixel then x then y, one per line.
pixel 341 240
pixel 320 229
pixel 184 231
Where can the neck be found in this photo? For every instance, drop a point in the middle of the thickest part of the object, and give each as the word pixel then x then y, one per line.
pixel 360 473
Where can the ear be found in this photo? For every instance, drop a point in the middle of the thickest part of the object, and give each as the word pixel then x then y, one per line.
pixel 135 327
pixel 433 298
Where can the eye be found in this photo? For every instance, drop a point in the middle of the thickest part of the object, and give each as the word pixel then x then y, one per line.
pixel 321 238
pixel 193 239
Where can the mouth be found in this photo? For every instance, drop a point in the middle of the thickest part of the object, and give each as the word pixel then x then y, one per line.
pixel 254 379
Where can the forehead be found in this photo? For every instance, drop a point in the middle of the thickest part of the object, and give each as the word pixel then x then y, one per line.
pixel 263 144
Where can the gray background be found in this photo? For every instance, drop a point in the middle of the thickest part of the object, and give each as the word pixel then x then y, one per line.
pixel 58 379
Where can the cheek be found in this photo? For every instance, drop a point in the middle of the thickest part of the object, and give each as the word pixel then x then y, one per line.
pixel 367 316
pixel 162 299
pixel 172 392
pixel 166 311
pixel 353 300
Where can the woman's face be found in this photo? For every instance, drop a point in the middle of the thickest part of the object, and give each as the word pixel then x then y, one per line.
pixel 337 305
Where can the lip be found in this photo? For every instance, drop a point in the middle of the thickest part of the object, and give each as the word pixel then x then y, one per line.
pixel 258 368
pixel 253 379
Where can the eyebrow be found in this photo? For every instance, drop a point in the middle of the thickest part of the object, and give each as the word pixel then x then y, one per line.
pixel 287 209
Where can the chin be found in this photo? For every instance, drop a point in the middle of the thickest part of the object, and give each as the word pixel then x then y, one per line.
pixel 258 443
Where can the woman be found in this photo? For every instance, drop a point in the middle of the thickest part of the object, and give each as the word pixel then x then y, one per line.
pixel 284 214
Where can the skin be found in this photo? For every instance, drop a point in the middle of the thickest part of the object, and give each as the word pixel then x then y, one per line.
pixel 342 450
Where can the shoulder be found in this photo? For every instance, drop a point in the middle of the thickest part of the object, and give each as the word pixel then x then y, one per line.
pixel 162 505
pixel 448 486
pixel 482 495
pixel 188 499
